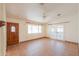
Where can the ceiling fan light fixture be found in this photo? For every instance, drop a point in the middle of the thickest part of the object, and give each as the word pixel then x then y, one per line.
pixel 59 14
pixel 41 4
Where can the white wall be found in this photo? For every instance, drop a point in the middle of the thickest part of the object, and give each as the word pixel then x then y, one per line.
pixel 78 23
pixel 23 35
pixel 71 31
pixel 2 30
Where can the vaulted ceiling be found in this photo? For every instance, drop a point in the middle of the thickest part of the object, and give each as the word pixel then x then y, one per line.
pixel 37 11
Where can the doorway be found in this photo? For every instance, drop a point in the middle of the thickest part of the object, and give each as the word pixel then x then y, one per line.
pixel 12 33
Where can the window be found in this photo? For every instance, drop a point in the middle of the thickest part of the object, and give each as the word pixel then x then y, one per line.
pixel 60 29
pixel 39 29
pixel 33 28
pixel 13 29
pixel 29 28
pixel 57 31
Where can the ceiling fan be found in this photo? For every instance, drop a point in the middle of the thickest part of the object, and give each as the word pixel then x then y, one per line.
pixel 44 13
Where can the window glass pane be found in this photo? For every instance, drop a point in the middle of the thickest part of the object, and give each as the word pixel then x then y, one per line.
pixel 40 29
pixel 53 29
pixel 29 28
pixel 60 29
pixel 13 29
pixel 34 28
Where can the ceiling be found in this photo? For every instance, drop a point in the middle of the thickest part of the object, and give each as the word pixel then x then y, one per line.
pixel 36 11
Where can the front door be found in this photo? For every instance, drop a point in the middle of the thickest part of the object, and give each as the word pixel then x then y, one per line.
pixel 12 33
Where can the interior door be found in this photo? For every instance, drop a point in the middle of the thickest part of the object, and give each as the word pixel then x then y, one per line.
pixel 12 33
